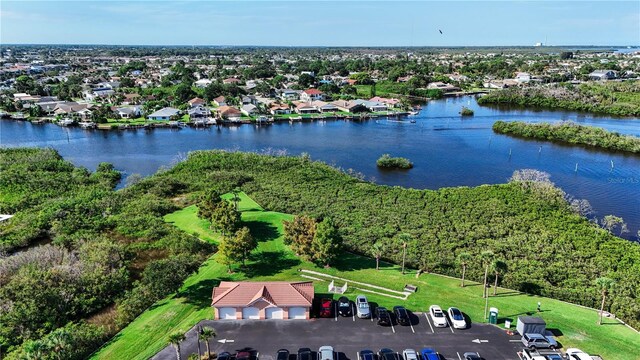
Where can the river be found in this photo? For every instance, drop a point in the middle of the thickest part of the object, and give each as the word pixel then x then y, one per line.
pixel 446 150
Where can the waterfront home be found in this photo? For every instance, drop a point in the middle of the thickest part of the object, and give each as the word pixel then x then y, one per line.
pixel 249 109
pixel 290 95
pixel 443 86
pixel 69 108
pixel 390 102
pixel 348 106
pixel 602 75
pixel 49 106
pixel 279 109
pixel 198 112
pixel 312 95
pixel 305 108
pixel 372 105
pixel 98 93
pixel 220 101
pixel 167 113
pixel 229 113
pixel 249 99
pixel 324 107
pixel 128 112
pixel 196 101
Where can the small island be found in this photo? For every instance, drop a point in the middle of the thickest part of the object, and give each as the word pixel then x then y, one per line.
pixel 466 111
pixel 387 162
pixel 570 133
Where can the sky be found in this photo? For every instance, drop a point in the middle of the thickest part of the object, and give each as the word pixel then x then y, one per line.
pixel 321 23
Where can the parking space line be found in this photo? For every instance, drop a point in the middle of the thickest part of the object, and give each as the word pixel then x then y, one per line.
pixel 427 317
pixel 412 329
pixel 336 311
pixel 392 328
pixel 450 325
pixel 459 358
pixel 519 356
pixel 353 313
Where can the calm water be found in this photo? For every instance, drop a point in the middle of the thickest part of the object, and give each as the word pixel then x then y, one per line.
pixel 446 150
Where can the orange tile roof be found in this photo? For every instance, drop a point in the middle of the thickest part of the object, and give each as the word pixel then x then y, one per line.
pixel 278 293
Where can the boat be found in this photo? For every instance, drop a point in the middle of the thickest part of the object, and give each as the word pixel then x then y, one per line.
pixel 211 121
pixel 66 122
pixel 174 124
pixel 18 116
pixel 262 120
pixel 296 118
pixel 413 113
pixel 87 125
pixel 412 121
pixel 199 123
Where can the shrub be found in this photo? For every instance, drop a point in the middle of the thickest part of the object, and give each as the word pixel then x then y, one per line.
pixel 388 162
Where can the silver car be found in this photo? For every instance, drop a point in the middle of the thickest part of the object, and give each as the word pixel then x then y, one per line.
pixel 362 307
pixel 325 353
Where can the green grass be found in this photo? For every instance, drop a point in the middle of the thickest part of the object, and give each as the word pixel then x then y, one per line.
pixel 148 334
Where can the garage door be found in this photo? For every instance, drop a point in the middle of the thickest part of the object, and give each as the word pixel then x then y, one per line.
pixel 251 313
pixel 227 313
pixel 297 313
pixel 274 313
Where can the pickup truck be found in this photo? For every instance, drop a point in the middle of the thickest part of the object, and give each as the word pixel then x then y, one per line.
pixel 537 341
pixel 536 355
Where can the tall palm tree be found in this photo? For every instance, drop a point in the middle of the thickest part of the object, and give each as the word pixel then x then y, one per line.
pixel 463 259
pixel 499 267
pixel 205 334
pixel 377 250
pixel 605 284
pixel 175 339
pixel 486 257
pixel 404 239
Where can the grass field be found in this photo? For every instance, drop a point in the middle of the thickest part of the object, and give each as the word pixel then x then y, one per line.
pixel 148 334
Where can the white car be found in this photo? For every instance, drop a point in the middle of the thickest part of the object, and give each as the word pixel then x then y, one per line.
pixel 437 316
pixel 325 353
pixel 577 354
pixel 409 354
pixel 456 318
pixel 362 307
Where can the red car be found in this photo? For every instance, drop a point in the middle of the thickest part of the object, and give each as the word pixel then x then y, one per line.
pixel 326 306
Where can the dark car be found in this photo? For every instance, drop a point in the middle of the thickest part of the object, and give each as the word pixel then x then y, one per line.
pixel 366 355
pixel 325 308
pixel 387 354
pixel 402 316
pixel 304 354
pixel 224 356
pixel 344 306
pixel 383 316
pixel 471 356
pixel 282 354
pixel 243 355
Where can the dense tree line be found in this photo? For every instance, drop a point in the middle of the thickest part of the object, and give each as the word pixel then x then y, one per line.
pixel 89 247
pixel 570 133
pixel 547 246
pixel 613 98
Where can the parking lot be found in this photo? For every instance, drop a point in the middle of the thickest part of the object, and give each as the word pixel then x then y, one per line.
pixel 348 335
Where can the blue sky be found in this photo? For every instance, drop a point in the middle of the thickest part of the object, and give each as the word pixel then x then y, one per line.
pixel 321 23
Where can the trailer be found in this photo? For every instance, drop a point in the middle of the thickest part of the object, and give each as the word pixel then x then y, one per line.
pixel 531 325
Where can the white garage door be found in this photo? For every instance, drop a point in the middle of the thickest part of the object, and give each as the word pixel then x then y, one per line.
pixel 227 313
pixel 274 313
pixel 297 313
pixel 251 313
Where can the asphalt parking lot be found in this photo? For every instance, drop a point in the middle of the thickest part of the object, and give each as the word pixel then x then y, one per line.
pixel 348 335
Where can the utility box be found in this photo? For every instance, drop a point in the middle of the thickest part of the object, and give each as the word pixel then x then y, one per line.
pixel 493 316
pixel 531 325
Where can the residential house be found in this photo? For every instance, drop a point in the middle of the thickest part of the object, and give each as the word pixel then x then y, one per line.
pixel 443 86
pixel 279 109
pixel 262 300
pixel 324 107
pixel 196 101
pixel 305 108
pixel 203 83
pixel 390 102
pixel 167 113
pixel 97 93
pixel 199 112
pixel 500 84
pixel 372 105
pixel 602 75
pixel 312 95
pixel 131 99
pixel 229 113
pixel 349 106
pixel 129 112
pixel 220 101
pixel 231 81
pixel 249 99
pixel 249 109
pixel 70 108
pixel 289 95
pixel 523 77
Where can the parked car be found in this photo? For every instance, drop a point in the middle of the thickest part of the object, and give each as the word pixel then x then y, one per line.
pixel 362 307
pixel 402 315
pixel 409 354
pixel 553 357
pixel 344 306
pixel 304 354
pixel 429 354
pixel 535 355
pixel 224 356
pixel 577 354
pixel 366 355
pixel 383 316
pixel 471 356
pixel 282 354
pixel 538 341
pixel 325 353
pixel 456 318
pixel 437 316
pixel 387 354
pixel 325 308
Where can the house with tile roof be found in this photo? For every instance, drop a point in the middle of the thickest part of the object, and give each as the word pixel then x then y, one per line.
pixel 312 95
pixel 262 300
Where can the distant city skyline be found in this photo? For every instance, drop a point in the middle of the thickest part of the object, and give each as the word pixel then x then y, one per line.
pixel 321 23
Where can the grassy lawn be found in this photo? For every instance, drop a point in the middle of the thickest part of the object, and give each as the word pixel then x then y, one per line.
pixel 148 334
